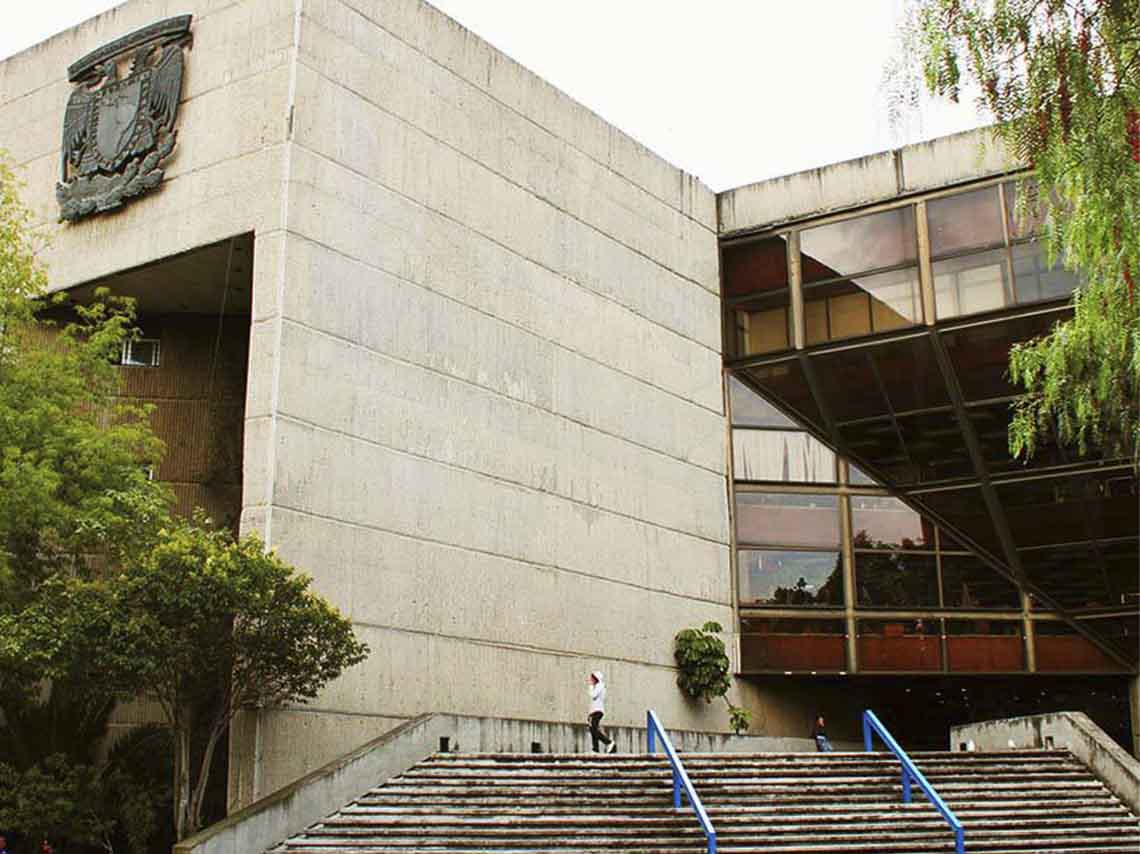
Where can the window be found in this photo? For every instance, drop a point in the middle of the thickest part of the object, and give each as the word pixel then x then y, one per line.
pixel 881 522
pixel 140 353
pixel 781 455
pixel 972 283
pixel 790 578
pixel 964 222
pixel 787 519
pixel 896 579
pixel 751 410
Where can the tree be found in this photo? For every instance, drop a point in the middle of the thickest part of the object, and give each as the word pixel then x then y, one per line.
pixel 704 667
pixel 1062 80
pixel 206 626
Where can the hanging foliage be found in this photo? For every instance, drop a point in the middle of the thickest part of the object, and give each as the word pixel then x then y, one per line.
pixel 1062 80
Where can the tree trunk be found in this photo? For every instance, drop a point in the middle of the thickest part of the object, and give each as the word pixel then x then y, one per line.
pixel 182 780
pixel 199 793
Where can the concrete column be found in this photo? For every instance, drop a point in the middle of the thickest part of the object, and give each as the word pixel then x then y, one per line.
pixel 1134 703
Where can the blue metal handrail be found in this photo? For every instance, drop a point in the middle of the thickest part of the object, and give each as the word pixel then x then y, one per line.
pixel 680 777
pixel 872 725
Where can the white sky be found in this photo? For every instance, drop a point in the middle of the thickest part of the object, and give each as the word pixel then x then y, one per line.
pixel 732 91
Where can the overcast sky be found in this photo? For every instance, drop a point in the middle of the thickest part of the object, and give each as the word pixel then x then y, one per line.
pixel 732 91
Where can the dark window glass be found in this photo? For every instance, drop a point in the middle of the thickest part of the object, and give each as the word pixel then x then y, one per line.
pixel 964 221
pixel 790 578
pixel 854 381
pixel 899 645
pixel 791 645
pixel 751 410
pixel 991 423
pixel 879 442
pixel 896 579
pixel 980 354
pixel 970 284
pixel 872 242
pixel 1072 576
pixel 755 267
pixel 784 381
pixel 787 519
pixel 784 456
pixel 763 326
pixel 935 446
pixel 1070 509
pixel 1034 279
pixel 848 308
pixel 882 522
pixel 969 584
pixel 984 646
pixel 965 510
pixel 1121 560
pixel 1025 218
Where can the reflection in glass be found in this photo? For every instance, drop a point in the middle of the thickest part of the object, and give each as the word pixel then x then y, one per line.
pixel 1034 280
pixel 935 446
pixel 883 522
pixel 964 221
pixel 751 410
pixel 971 283
pixel 860 306
pixel 858 245
pixel 763 326
pixel 755 267
pixel 781 455
pixel 1026 217
pixel 1054 510
pixel 857 477
pixel 896 579
pixel 980 354
pixel 1072 576
pixel 787 519
pixel 784 381
pixel 790 578
pixel 969 584
pixel 965 509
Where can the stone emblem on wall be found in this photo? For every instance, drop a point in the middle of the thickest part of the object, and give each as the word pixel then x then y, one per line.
pixel 119 124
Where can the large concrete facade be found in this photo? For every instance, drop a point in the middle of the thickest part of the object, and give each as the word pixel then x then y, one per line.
pixel 484 406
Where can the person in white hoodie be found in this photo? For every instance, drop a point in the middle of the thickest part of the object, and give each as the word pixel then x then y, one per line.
pixel 597 710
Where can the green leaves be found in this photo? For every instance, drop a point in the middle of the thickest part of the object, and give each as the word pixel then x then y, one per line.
pixel 703 662
pixel 1063 82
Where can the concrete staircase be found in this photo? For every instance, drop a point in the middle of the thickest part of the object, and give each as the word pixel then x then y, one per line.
pixel 790 803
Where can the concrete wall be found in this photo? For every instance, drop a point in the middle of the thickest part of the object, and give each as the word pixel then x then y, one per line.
pixel 495 433
pixel 882 177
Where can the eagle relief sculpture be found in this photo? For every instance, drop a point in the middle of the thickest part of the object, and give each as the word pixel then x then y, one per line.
pixel 119 127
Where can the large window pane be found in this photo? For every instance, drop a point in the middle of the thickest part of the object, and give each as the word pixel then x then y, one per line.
pixel 1025 218
pixel 896 580
pixel 1034 279
pixel 755 267
pixel 787 519
pixel 858 245
pixel 784 381
pixel 763 326
pixel 790 578
pixel 980 354
pixel 971 284
pixel 1073 576
pixel 851 307
pixel 781 455
pixel 964 221
pixel 882 522
pixel 969 584
pixel 751 410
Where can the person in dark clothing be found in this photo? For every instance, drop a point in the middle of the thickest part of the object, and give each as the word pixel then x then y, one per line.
pixel 819 733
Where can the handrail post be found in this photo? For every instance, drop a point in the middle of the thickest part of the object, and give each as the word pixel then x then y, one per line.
pixel 960 841
pixel 650 741
pixel 676 790
pixel 866 734
pixel 906 786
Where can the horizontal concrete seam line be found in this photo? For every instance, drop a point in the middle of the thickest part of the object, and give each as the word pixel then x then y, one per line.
pixel 549 567
pixel 532 121
pixel 182 103
pixel 300 324
pixel 40 44
pixel 512 182
pixel 513 325
pixel 496 479
pixel 495 241
pixel 530 190
pixel 515 646
pixel 309 710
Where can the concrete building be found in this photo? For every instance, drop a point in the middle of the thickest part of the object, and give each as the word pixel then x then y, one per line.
pixel 481 338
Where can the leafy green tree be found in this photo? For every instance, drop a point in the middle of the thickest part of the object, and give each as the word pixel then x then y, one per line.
pixel 703 670
pixel 205 626
pixel 1062 80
